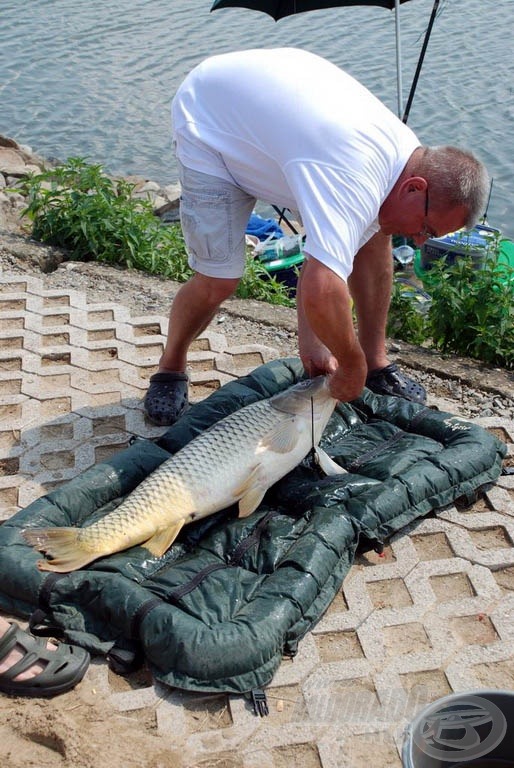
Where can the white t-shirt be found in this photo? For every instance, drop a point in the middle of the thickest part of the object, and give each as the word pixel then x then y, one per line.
pixel 294 130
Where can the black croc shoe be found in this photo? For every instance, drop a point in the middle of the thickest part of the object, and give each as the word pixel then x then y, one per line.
pixel 391 381
pixel 167 398
pixel 64 666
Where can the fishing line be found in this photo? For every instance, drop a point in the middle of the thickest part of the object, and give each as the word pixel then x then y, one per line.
pixel 313 449
pixel 312 422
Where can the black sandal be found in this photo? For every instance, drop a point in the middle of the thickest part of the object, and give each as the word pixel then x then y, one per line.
pixel 391 381
pixel 64 666
pixel 167 398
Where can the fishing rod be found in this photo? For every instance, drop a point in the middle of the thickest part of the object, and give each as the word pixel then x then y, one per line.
pixel 420 61
pixel 484 217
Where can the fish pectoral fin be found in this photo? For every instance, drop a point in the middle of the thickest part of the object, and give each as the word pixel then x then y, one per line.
pixel 161 541
pixel 250 493
pixel 327 464
pixel 251 500
pixel 283 439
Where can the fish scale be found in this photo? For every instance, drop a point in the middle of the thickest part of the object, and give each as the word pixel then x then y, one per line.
pixel 236 460
pixel 203 457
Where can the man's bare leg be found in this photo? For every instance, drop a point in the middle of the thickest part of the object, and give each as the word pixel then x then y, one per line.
pixel 193 308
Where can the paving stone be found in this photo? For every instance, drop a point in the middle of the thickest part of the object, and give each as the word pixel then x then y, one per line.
pixel 434 615
pixel 72 378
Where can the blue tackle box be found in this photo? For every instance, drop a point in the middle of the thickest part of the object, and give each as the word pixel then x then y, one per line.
pixel 474 243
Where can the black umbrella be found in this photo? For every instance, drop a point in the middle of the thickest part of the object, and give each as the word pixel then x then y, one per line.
pixel 278 9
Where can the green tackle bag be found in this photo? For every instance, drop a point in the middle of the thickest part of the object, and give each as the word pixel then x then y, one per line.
pixel 232 596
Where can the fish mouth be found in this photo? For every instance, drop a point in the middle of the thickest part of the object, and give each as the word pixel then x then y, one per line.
pixel 318 387
pixel 312 387
pixel 302 396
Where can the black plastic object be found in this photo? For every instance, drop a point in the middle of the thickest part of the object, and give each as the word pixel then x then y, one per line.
pixel 470 728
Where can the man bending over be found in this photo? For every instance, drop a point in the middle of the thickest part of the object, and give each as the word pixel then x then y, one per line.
pixel 288 127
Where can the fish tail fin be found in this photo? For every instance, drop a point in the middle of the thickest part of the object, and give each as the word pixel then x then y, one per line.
pixel 63 547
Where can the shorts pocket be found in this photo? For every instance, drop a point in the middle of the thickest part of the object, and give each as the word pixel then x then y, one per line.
pixel 206 225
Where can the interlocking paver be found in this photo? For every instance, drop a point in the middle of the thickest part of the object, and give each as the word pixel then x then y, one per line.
pixel 434 615
pixel 72 378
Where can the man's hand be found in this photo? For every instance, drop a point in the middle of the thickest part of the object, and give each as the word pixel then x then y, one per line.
pixel 317 359
pixel 347 383
pixel 327 339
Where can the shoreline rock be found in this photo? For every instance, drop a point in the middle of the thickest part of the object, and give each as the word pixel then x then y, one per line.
pixel 17 161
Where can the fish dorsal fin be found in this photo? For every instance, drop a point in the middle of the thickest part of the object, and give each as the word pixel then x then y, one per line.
pixel 250 493
pixel 327 464
pixel 283 438
pixel 163 539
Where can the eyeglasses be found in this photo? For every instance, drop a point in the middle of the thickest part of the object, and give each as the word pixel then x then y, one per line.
pixel 426 232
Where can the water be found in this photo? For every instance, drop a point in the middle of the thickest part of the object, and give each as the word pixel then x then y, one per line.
pixel 96 79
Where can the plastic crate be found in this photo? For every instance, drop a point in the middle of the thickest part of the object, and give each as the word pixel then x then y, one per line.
pixel 475 243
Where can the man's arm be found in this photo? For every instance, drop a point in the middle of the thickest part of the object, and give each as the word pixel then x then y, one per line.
pixel 327 338
pixel 370 286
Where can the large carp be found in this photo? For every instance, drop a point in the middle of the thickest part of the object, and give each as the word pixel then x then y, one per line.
pixel 236 460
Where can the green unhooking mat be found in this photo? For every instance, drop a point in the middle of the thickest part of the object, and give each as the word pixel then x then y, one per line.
pixel 219 610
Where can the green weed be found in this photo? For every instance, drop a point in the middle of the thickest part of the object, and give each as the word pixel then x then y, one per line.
pixel 92 216
pixel 472 310
pixel 407 317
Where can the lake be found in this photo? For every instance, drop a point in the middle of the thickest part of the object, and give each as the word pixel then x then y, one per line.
pixel 96 79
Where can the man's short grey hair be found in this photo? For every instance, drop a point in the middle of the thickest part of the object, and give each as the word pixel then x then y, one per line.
pixel 456 178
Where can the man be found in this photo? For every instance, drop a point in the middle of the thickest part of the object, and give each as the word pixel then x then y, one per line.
pixel 287 127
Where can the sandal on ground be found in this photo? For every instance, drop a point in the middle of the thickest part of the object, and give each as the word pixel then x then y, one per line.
pixel 64 665
pixel 391 381
pixel 166 399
